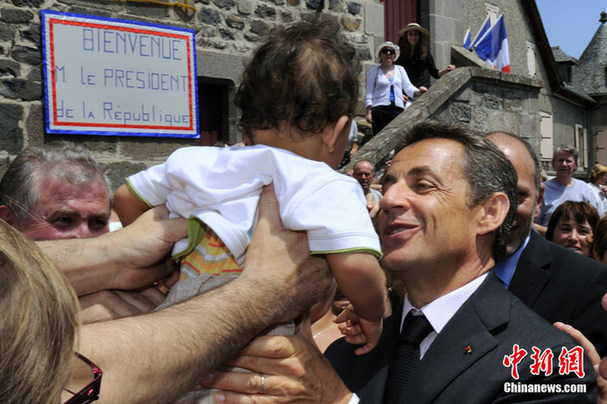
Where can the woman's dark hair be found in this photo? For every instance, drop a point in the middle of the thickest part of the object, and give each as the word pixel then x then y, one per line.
pixel 578 211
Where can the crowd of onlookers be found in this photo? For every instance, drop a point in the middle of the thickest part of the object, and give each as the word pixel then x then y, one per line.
pixel 473 270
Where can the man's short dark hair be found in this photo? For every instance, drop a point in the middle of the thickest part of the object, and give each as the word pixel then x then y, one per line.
pixel 485 167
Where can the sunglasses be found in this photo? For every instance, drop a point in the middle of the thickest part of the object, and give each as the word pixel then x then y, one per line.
pixel 387 51
pixel 90 392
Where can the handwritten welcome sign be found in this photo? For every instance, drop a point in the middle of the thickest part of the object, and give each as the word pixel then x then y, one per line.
pixel 113 77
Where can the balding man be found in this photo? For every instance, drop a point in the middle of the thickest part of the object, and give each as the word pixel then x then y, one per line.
pixel 557 283
pixel 364 173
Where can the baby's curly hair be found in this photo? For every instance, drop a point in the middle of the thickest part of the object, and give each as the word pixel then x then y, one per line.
pixel 303 78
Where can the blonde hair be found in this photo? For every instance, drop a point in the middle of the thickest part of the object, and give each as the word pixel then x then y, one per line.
pixel 38 322
pixel 597 171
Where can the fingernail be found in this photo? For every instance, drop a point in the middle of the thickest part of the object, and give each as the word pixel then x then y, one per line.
pixel 220 398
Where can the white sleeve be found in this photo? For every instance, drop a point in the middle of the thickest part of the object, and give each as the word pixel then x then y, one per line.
pixel 408 87
pixel 150 185
pixel 370 86
pixel 334 213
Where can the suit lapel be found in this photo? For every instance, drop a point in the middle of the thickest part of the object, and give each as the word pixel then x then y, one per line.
pixel 465 339
pixel 530 276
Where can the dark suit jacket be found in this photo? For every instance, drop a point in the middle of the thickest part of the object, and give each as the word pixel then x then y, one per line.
pixel 490 322
pixel 561 285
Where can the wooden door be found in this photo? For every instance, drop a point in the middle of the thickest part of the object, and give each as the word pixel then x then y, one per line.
pixel 397 14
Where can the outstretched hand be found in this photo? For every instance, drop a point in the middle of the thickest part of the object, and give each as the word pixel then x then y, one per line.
pixel 359 331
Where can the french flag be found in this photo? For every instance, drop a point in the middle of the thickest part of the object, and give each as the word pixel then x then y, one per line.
pixel 484 28
pixel 493 46
pixel 467 39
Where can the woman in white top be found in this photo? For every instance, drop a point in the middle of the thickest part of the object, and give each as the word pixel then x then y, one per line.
pixel 598 178
pixel 386 85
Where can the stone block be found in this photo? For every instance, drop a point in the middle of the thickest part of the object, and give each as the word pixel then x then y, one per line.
pixel 286 16
pixel 245 7
pixel 259 27
pixel 350 24
pixel 492 101
pixel 233 21
pixel 460 111
pixel 118 171
pixel 152 11
pixel 35 74
pixel 264 11
pixel 35 124
pixel 374 20
pixel 7 32
pixel 354 8
pixel 225 4
pixel 25 90
pixel 32 56
pixel 9 67
pixel 27 3
pixel 314 4
pixel 336 6
pixel 151 150
pixel 16 15
pixel 11 135
pixel 209 16
pixel 226 34
pixel 32 34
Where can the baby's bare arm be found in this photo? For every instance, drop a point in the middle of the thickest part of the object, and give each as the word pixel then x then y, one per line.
pixel 362 281
pixel 127 205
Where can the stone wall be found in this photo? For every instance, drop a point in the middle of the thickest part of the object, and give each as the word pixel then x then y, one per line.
pixel 227 31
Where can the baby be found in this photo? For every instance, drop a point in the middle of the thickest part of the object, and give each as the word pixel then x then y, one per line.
pixel 297 99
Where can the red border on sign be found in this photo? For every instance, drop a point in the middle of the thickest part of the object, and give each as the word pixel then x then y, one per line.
pixel 186 38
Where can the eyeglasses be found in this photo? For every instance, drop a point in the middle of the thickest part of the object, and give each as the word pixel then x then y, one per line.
pixel 85 371
pixel 388 51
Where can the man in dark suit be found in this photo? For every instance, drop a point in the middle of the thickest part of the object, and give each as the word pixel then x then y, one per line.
pixel 556 283
pixel 444 220
pixel 449 201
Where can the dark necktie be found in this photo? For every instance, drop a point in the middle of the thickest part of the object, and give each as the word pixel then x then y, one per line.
pixel 406 355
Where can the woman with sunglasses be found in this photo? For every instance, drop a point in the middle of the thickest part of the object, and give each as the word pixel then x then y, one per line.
pixel 416 59
pixel 388 86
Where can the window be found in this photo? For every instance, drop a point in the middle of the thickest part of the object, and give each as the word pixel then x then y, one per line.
pixel 564 70
pixel 492 11
pixel 213 111
pixel 581 143
pixel 531 68
pixel 546 140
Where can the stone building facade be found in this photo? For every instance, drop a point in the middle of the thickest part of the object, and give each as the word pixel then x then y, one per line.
pixel 227 31
pixel 534 101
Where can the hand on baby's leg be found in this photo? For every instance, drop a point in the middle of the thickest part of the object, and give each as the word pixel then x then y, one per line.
pixel 359 331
